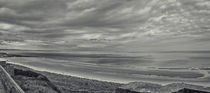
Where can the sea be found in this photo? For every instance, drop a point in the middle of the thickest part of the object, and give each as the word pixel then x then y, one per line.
pixel 162 67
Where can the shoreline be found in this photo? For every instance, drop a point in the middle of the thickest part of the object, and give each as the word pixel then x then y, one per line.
pixel 86 77
pixel 67 83
pixel 30 79
pixel 100 79
pixel 65 74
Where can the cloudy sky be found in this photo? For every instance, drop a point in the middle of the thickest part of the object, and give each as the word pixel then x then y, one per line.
pixel 106 25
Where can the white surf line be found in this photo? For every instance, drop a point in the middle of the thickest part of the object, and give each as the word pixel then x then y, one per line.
pixel 3 59
pixel 67 73
pixel 205 73
pixel 84 76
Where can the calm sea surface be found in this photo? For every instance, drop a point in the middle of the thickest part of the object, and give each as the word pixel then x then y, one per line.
pixel 160 67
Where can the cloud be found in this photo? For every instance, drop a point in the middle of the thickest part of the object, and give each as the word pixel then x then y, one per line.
pixel 7 11
pixel 106 24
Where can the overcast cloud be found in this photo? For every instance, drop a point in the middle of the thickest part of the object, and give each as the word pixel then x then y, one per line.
pixel 129 25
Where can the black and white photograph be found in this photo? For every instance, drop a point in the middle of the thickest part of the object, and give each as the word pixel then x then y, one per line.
pixel 104 46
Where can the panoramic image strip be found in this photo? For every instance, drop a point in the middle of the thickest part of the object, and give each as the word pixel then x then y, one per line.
pixel 104 46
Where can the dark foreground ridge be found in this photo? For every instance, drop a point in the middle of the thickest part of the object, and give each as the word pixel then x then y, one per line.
pixel 32 81
pixel 8 85
pixel 143 87
pixel 185 90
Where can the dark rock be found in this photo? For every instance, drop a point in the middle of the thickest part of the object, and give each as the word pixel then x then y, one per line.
pixel 121 90
pixel 140 87
pixel 80 92
pixel 3 63
pixel 25 73
pixel 186 90
pixel 143 87
pixel 31 82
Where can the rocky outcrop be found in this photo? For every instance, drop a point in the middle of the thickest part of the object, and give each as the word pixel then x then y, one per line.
pixel 32 82
pixel 121 90
pixel 186 90
pixel 141 87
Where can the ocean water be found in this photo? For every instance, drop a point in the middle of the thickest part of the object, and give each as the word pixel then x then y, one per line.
pixel 159 67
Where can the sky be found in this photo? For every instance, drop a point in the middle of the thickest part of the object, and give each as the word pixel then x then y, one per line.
pixel 105 25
